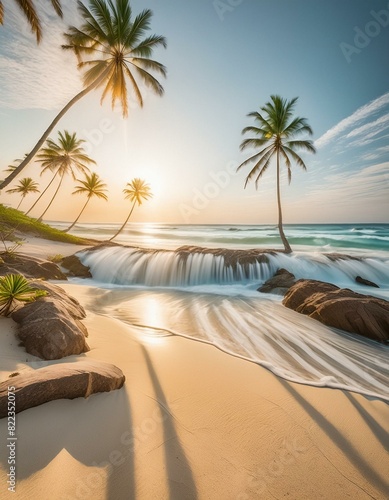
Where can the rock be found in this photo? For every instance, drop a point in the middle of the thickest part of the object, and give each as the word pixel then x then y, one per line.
pixel 30 267
pixel 340 308
pixel 75 267
pixel 56 293
pixel 363 281
pixel 49 331
pixel 278 284
pixel 60 381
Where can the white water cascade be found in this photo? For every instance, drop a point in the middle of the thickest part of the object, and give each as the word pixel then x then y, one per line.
pixel 166 268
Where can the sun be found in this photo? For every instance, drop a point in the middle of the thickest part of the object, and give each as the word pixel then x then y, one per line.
pixel 152 176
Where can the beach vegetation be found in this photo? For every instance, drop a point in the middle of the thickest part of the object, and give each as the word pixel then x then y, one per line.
pixel 15 288
pixel 9 241
pixel 30 12
pixel 24 187
pixel 115 54
pixel 62 158
pixel 92 185
pixel 13 221
pixel 57 258
pixel 276 134
pixel 136 191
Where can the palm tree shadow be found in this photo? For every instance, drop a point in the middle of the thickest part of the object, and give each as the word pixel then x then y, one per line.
pixel 180 479
pixel 359 462
pixel 379 432
pixel 67 429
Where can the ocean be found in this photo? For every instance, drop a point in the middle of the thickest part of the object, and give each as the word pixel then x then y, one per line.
pixel 199 295
pixel 355 238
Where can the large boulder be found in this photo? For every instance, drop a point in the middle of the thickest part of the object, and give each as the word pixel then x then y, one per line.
pixel 340 308
pixel 48 330
pixel 278 284
pixel 58 294
pixel 60 381
pixel 30 267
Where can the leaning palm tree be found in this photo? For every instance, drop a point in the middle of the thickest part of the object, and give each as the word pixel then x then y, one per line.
pixel 136 191
pixel 112 48
pixel 63 158
pixel 25 186
pixel 29 10
pixel 91 186
pixel 274 135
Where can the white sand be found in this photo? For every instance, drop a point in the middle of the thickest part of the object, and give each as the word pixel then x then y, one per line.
pixel 192 422
pixel 43 249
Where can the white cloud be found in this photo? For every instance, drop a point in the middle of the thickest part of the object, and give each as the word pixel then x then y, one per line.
pixel 371 129
pixel 350 189
pixel 37 76
pixel 366 111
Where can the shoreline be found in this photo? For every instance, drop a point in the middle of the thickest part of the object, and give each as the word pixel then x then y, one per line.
pixel 191 422
pixel 182 402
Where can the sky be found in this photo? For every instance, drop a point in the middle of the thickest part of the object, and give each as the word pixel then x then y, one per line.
pixel 225 58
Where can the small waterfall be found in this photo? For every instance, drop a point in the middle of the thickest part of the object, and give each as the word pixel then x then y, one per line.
pixel 191 266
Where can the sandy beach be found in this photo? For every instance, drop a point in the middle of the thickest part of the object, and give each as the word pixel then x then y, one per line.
pixel 190 422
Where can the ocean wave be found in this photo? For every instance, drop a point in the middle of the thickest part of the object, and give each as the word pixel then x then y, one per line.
pixel 291 345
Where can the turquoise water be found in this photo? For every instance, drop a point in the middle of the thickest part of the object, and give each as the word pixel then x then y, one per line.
pixel 356 238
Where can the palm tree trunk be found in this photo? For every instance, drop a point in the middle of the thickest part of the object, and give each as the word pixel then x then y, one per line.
pixel 43 192
pixel 36 148
pixel 20 202
pixel 124 225
pixel 280 228
pixel 79 215
pixel 52 199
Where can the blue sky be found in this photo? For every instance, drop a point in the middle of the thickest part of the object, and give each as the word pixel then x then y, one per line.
pixel 224 59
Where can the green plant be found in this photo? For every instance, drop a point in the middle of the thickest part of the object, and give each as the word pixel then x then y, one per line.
pixel 16 288
pixel 55 258
pixel 9 241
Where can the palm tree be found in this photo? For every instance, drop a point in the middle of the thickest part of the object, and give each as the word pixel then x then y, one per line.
pixel 136 191
pixel 92 186
pixel 63 158
pixel 274 136
pixel 113 49
pixel 26 185
pixel 29 11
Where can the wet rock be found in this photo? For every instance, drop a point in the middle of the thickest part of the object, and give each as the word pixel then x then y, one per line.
pixel 75 267
pixel 60 381
pixel 363 281
pixel 278 284
pixel 340 308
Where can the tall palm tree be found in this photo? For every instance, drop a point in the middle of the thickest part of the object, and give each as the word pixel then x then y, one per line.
pixel 91 186
pixel 63 158
pixel 274 134
pixel 25 186
pixel 112 48
pixel 29 10
pixel 136 191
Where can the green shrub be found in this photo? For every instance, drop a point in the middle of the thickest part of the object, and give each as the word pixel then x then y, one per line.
pixel 16 288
